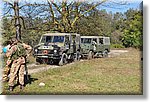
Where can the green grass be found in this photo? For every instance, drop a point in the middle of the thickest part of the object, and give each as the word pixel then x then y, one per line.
pixel 118 75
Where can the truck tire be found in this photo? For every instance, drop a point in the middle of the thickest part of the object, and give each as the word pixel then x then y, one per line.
pixel 90 55
pixel 50 61
pixel 45 61
pixel 105 54
pixel 38 61
pixel 63 60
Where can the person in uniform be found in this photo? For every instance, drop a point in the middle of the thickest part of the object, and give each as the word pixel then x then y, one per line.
pixel 8 61
pixel 17 53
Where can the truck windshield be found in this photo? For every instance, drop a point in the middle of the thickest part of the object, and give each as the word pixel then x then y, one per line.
pixel 52 39
pixel 46 39
pixel 86 40
pixel 59 39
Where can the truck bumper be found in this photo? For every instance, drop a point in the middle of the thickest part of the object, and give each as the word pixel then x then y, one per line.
pixel 49 56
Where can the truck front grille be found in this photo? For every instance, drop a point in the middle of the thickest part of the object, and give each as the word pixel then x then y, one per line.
pixel 44 51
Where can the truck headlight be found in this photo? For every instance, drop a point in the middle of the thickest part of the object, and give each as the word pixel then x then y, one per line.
pixel 35 50
pixel 55 51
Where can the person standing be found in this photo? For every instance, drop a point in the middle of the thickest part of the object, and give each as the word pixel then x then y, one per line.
pixel 17 54
pixel 8 62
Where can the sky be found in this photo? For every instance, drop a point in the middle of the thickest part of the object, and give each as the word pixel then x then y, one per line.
pixel 119 8
pixel 135 4
pixel 115 8
pixel 130 4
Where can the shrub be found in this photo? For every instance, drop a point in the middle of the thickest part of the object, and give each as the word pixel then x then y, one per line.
pixel 117 46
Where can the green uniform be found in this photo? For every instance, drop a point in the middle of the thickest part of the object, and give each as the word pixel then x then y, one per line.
pixel 18 53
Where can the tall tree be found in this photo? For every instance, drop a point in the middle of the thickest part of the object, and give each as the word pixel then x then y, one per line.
pixel 17 20
pixel 51 15
pixel 14 5
pixel 67 13
pixel 133 31
pixel 98 22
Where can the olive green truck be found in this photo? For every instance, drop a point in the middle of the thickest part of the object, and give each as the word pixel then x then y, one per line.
pixel 94 46
pixel 67 47
pixel 57 47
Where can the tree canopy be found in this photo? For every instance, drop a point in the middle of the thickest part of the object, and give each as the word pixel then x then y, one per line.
pixel 28 21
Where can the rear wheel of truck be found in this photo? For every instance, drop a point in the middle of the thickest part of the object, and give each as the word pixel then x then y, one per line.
pixel 105 54
pixel 90 55
pixel 63 60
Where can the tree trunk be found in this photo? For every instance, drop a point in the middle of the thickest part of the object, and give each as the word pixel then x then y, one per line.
pixel 17 20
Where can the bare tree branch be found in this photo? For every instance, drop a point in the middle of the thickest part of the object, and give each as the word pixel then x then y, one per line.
pixel 80 15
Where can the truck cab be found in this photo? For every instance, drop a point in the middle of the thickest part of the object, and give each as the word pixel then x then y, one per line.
pixel 57 47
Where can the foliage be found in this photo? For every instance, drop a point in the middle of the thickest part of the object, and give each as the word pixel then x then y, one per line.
pixel 132 34
pixel 97 23
pixel 8 30
pixel 117 46
pixel 84 18
pixel 116 37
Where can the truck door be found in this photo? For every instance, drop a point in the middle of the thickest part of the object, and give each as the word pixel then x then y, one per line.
pixel 101 45
pixel 86 45
pixel 73 43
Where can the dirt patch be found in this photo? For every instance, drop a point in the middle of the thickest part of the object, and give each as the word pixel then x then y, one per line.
pixel 34 68
pixel 114 53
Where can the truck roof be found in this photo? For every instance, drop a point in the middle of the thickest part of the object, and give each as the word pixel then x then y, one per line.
pixel 59 34
pixel 92 37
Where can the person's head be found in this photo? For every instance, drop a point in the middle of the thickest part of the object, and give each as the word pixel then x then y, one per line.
pixel 14 40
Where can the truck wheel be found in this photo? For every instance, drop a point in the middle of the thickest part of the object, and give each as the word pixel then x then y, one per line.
pixel 90 55
pixel 45 60
pixel 105 54
pixel 38 61
pixel 50 61
pixel 63 60
pixel 77 56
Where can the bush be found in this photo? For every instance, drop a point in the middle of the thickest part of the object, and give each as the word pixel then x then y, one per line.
pixel 117 46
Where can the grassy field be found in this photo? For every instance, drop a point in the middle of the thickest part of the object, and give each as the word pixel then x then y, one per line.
pixel 116 75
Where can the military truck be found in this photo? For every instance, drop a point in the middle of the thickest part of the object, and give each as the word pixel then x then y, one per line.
pixel 58 47
pixel 94 46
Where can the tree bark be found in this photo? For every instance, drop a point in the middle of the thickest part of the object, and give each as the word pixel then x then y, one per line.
pixel 17 20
